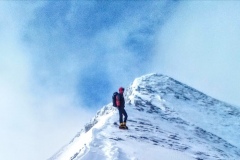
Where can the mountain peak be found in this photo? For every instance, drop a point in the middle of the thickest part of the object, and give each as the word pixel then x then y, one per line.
pixel 167 120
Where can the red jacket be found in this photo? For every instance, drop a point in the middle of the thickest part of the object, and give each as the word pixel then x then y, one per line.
pixel 120 100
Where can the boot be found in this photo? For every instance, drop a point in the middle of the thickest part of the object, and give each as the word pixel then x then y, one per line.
pixel 121 126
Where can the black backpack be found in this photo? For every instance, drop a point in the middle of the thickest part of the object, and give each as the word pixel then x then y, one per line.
pixel 114 99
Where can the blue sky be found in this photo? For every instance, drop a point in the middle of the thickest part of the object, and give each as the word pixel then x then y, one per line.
pixel 96 40
pixel 60 61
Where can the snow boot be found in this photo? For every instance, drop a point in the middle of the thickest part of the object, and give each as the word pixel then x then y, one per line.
pixel 121 126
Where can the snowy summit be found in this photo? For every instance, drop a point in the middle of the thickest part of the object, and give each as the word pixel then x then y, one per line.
pixel 167 120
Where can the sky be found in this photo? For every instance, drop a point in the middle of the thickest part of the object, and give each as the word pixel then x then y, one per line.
pixel 60 61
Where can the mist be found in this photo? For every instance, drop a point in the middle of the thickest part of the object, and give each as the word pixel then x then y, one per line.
pixel 199 46
pixel 36 117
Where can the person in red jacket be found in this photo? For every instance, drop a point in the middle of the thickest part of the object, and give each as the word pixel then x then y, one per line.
pixel 122 112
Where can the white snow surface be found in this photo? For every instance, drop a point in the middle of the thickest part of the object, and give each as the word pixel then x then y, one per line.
pixel 167 120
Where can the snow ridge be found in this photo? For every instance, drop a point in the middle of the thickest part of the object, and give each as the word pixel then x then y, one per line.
pixel 167 120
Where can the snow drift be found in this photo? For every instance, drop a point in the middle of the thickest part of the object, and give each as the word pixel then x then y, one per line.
pixel 167 120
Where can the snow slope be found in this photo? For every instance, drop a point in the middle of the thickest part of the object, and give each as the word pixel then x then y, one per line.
pixel 167 120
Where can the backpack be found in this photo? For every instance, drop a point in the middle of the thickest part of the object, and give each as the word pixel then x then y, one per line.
pixel 114 99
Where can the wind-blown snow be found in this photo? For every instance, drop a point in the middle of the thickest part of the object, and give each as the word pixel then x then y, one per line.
pixel 167 120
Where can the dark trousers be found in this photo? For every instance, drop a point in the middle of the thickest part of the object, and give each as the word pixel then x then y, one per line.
pixel 122 113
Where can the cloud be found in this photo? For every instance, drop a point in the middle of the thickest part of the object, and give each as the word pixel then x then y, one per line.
pixel 35 121
pixel 198 45
pixel 95 46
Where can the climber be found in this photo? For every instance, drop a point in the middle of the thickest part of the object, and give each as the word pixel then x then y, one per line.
pixel 121 108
